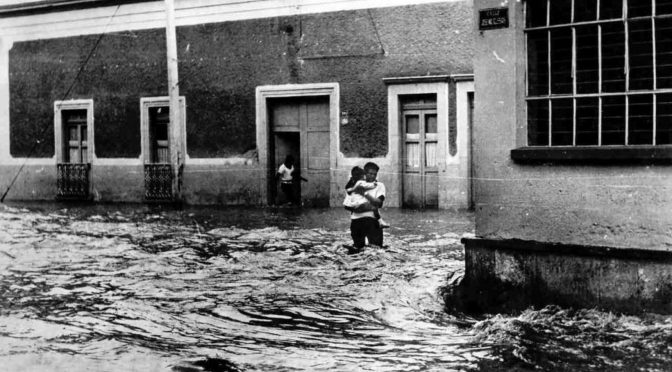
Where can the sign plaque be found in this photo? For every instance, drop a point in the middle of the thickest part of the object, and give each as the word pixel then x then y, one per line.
pixel 493 18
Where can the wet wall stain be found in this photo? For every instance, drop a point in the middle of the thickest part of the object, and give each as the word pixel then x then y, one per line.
pixel 221 65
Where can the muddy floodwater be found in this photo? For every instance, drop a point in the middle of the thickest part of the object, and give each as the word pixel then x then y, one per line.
pixel 150 288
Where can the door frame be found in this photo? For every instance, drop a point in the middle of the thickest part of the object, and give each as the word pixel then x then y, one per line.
pixel 437 85
pixel 145 104
pixel 422 139
pixel 75 104
pixel 463 87
pixel 265 92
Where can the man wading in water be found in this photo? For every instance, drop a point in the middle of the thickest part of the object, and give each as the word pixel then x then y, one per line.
pixel 363 222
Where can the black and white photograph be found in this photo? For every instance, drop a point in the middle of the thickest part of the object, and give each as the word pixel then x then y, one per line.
pixel 335 185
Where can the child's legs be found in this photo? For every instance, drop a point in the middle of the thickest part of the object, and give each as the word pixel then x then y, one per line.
pixel 288 190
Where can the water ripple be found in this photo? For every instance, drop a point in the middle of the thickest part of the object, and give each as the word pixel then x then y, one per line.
pixel 154 289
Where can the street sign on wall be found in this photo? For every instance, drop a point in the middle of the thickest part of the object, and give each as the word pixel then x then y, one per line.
pixel 493 18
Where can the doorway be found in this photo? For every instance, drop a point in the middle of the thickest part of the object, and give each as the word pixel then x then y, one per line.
pixel 156 147
pixel 286 143
pixel 299 126
pixel 420 171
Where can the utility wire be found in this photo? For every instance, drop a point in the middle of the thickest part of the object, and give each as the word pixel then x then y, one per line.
pixel 65 95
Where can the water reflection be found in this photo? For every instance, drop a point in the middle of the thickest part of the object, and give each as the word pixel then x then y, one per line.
pixel 112 288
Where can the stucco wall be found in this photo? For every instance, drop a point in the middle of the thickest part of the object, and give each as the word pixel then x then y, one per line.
pixel 31 181
pixel 610 205
pixel 222 63
pixel 120 69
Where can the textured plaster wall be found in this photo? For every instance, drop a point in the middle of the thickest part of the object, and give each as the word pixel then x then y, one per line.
pixel 611 205
pixel 117 183
pixel 210 184
pixel 123 67
pixel 34 182
pixel 222 63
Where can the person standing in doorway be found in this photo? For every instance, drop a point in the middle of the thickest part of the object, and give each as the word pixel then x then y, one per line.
pixel 363 222
pixel 286 173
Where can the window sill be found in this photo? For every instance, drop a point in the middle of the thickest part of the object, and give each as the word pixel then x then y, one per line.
pixel 606 155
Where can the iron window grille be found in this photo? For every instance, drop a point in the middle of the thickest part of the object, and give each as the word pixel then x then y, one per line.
pixel 73 181
pixel 599 72
pixel 158 182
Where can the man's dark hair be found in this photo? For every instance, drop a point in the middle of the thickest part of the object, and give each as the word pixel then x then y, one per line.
pixel 371 165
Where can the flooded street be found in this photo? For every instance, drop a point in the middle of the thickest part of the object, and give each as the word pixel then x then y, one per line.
pixel 149 288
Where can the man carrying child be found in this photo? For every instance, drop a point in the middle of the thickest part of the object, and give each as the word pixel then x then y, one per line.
pixel 365 222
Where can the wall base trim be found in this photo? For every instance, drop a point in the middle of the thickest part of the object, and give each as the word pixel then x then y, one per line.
pixel 580 250
pixel 511 275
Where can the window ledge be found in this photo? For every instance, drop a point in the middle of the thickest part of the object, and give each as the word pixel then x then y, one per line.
pixel 608 155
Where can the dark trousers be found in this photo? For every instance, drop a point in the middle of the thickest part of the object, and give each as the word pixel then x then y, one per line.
pixel 368 228
pixel 288 189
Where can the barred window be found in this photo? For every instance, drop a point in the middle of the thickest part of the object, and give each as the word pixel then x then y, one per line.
pixel 599 72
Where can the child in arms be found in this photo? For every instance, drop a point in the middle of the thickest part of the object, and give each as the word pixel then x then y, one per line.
pixel 353 199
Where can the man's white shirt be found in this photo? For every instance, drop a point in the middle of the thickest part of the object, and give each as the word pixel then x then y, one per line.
pixel 376 192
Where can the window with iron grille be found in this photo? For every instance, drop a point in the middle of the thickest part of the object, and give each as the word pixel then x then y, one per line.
pixel 599 72
pixel 73 129
pixel 158 131
pixel 74 124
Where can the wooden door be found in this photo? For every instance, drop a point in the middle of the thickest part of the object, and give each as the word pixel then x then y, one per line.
pixel 76 142
pixel 420 179
pixel 309 117
pixel 315 153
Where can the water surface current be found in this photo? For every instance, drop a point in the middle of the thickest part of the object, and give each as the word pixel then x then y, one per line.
pixel 150 288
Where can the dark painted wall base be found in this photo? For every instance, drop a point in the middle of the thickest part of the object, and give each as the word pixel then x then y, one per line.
pixel 510 275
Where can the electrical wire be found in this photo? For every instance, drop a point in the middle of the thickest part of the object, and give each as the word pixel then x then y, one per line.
pixel 64 96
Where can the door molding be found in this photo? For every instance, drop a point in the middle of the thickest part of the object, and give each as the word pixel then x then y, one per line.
pixel 145 104
pixel 263 93
pixel 464 143
pixel 411 86
pixel 75 104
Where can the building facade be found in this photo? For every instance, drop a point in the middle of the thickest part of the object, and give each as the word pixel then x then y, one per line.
pixel 84 106
pixel 574 189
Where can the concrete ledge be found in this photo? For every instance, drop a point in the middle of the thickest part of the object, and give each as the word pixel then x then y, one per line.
pixel 507 275
pixel 570 249
pixel 604 155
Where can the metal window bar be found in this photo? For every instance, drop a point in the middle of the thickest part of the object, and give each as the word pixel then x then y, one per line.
pixel 599 21
pixel 626 28
pixel 548 56
pixel 158 182
pixel 655 75
pixel 72 181
pixel 588 95
pixel 573 74
pixel 599 78
pixel 627 93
